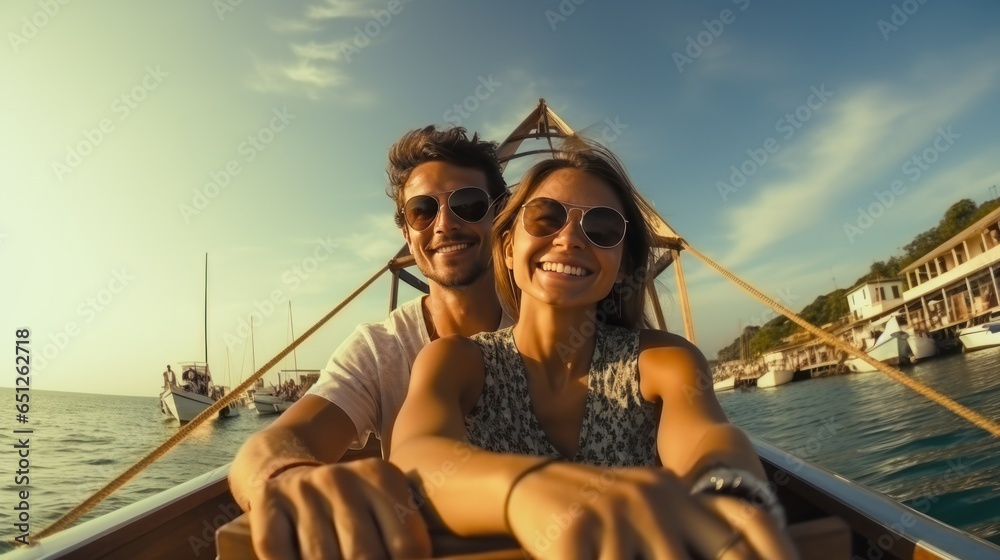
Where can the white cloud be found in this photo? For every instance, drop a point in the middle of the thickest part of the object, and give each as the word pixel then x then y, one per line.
pixel 863 133
pixel 338 9
pixel 279 25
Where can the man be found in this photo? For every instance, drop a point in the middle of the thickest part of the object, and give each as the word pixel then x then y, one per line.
pixel 285 475
pixel 169 378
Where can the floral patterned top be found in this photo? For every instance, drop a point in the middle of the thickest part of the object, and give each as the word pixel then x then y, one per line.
pixel 619 426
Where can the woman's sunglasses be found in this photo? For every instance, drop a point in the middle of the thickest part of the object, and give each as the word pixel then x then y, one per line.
pixel 469 204
pixel 603 226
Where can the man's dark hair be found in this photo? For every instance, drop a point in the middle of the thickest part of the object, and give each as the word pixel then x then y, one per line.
pixel 451 145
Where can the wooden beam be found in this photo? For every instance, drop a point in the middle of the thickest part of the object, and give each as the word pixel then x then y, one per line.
pixel 685 304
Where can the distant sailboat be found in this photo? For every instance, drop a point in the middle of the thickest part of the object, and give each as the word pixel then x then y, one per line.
pixel 275 400
pixel 195 392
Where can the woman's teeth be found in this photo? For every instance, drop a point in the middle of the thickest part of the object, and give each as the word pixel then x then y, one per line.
pixel 565 269
pixel 452 248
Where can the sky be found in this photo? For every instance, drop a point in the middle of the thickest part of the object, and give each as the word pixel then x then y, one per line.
pixel 795 143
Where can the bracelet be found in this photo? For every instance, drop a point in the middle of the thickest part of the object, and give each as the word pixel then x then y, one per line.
pixel 726 481
pixel 520 476
pixel 292 465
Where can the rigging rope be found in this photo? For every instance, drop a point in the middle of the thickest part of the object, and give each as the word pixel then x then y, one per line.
pixel 186 429
pixel 936 397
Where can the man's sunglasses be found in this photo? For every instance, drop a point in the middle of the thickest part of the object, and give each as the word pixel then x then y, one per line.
pixel 603 226
pixel 469 204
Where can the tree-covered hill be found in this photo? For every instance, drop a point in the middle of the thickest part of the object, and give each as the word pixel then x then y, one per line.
pixel 832 306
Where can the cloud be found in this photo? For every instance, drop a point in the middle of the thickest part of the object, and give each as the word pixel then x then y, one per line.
pixel 288 26
pixel 302 77
pixel 338 9
pixel 864 133
pixel 317 68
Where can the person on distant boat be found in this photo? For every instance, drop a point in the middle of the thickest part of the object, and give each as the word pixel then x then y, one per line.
pixel 169 378
pixel 446 187
pixel 564 420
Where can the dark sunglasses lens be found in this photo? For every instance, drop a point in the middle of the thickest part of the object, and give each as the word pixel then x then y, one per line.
pixel 543 217
pixel 470 204
pixel 604 226
pixel 420 211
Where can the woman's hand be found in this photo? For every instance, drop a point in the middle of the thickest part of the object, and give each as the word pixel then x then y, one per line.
pixel 574 511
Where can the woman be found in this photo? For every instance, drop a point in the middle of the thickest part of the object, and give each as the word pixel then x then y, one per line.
pixel 570 412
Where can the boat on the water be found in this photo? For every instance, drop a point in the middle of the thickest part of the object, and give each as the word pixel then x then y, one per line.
pixel 891 341
pixel 829 517
pixel 775 377
pixel 984 335
pixel 277 399
pixel 193 394
pixel 727 384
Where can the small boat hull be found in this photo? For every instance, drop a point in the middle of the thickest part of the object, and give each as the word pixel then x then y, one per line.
pixel 184 405
pixel 980 336
pixel 269 404
pixel 775 377
pixel 725 385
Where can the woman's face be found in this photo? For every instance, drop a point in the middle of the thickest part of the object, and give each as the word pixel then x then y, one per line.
pixel 566 269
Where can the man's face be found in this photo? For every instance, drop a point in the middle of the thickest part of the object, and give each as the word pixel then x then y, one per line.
pixel 434 248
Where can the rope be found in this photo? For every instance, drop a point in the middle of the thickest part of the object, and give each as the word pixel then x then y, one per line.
pixel 936 397
pixel 186 429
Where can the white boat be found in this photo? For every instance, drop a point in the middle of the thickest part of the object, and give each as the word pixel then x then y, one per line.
pixel 981 336
pixel 195 392
pixel 185 401
pixel 775 377
pixel 895 344
pixel 275 400
pixel 727 384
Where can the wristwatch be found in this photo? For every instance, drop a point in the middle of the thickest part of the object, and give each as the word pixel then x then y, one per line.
pixel 726 481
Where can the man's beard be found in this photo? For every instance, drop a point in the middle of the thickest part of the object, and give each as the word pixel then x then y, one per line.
pixel 462 278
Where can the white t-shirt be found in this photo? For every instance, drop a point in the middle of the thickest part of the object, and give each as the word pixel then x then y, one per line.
pixel 368 375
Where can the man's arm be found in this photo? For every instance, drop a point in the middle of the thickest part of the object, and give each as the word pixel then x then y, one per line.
pixel 313 430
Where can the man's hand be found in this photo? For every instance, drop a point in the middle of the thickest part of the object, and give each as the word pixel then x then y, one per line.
pixel 571 511
pixel 359 509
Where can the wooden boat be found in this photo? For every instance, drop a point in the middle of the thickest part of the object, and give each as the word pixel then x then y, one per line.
pixel 829 516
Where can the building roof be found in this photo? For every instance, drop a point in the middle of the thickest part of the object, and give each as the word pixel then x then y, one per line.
pixel 955 240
